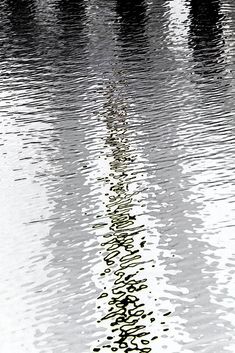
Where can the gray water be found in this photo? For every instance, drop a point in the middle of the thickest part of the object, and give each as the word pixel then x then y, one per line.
pixel 117 189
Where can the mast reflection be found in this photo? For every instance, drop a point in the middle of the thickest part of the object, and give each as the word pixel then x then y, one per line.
pixel 126 312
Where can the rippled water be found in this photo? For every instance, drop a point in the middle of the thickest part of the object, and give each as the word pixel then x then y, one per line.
pixel 117 176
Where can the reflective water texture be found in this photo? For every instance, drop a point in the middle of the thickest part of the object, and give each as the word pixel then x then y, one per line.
pixel 117 176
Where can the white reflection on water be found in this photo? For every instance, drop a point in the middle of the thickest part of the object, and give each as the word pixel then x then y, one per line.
pixel 26 214
pixel 178 16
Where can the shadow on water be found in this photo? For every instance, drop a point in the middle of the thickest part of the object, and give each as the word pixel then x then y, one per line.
pixel 123 244
pixel 207 41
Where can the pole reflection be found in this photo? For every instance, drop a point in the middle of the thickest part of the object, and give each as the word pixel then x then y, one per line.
pixel 126 299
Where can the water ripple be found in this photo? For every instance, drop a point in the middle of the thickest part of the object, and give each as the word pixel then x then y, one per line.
pixel 117 179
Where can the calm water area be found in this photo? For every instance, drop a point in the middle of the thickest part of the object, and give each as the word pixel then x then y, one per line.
pixel 117 185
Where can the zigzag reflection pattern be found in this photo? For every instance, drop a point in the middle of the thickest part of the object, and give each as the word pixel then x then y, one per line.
pixel 127 313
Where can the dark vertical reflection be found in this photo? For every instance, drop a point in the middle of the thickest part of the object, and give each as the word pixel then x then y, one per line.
pixel 127 315
pixel 21 14
pixel 67 71
pixel 206 39
pixel 19 47
pixel 132 37
pixel 132 17
pixel 62 52
pixel 68 58
pixel 72 17
pixel 63 35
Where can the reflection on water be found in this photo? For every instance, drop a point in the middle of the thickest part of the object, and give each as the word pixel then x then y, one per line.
pixel 132 17
pixel 207 40
pixel 21 15
pixel 125 240
pixel 117 187
pixel 132 34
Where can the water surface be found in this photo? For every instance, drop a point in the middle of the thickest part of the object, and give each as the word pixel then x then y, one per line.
pixel 117 176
